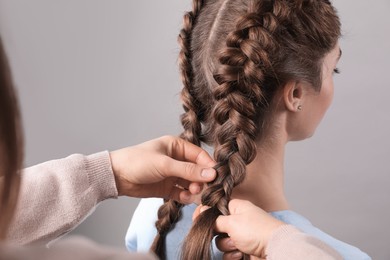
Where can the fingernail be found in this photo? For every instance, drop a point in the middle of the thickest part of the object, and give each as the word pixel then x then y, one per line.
pixel 237 254
pixel 208 173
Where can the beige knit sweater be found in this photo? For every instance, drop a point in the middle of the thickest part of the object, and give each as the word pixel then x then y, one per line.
pixel 58 195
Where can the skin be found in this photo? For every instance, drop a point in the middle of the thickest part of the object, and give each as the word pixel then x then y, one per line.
pixel 153 168
pixel 298 111
pixel 250 239
pixel 264 182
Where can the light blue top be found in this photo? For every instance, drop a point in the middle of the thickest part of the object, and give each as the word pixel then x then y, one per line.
pixel 142 231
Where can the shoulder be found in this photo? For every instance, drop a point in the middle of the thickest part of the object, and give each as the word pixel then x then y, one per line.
pixel 303 224
pixel 142 230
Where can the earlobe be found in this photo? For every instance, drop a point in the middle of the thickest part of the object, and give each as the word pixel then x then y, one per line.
pixel 293 96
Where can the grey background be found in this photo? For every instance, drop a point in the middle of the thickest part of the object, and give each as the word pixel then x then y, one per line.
pixel 95 75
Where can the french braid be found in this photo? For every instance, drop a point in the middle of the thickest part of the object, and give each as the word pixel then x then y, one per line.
pixel 190 120
pixel 170 212
pixel 239 100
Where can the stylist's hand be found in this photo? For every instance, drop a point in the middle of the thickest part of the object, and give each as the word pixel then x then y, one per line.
pixel 249 228
pixel 167 167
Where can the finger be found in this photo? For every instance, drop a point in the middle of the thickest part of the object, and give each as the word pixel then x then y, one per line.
pixel 197 198
pixel 195 187
pixel 204 208
pixel 196 212
pixel 181 184
pixel 181 196
pixel 232 255
pixel 186 151
pixel 185 197
pixel 222 224
pixel 225 244
pixel 185 192
pixel 236 205
pixel 199 209
pixel 188 171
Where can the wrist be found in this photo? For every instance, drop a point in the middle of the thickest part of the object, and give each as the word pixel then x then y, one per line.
pixel 100 175
pixel 116 173
pixel 273 225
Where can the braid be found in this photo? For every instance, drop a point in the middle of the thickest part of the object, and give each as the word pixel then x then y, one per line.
pixel 190 120
pixel 170 212
pixel 239 102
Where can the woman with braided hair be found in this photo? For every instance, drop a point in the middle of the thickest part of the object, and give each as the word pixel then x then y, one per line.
pixel 256 74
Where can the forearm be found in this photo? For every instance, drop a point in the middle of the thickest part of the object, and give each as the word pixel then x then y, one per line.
pixel 287 242
pixel 58 195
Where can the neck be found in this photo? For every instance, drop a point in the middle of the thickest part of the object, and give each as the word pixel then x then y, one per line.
pixel 264 181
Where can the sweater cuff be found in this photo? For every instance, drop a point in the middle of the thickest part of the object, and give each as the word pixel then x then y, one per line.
pixel 100 175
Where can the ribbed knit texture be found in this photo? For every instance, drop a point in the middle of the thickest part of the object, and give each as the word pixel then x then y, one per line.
pixel 57 195
pixel 100 175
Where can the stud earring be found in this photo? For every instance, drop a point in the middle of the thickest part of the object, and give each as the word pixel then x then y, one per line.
pixel 299 107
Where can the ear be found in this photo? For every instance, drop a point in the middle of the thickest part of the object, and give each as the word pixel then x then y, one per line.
pixel 293 96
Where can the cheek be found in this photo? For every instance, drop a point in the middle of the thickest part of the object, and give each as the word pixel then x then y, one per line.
pixel 327 95
pixel 313 112
pixel 321 105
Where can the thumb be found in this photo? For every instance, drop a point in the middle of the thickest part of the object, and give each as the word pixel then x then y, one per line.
pixel 189 171
pixel 237 206
pixel 222 224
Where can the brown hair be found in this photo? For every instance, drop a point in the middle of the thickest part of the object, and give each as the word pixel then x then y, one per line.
pixel 11 143
pixel 236 54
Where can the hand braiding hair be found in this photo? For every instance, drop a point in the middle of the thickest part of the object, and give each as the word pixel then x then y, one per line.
pixel 170 212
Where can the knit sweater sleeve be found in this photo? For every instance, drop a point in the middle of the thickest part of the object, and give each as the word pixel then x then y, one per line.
pixel 58 195
pixel 287 242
